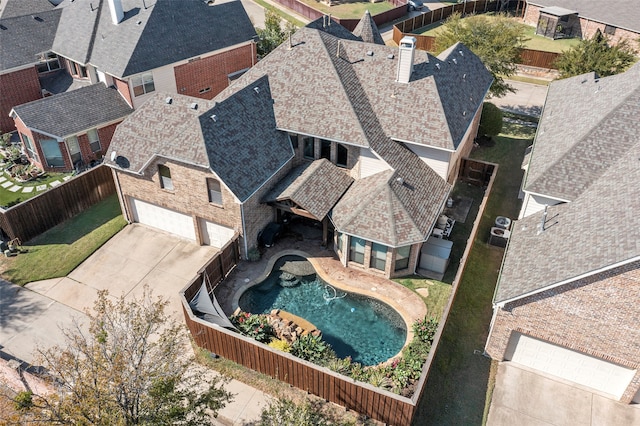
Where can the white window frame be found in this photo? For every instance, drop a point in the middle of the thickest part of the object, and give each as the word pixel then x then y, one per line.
pixel 142 84
pixel 215 195
pixel 73 147
pixel 94 138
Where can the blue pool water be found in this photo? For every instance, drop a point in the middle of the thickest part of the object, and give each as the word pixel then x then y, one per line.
pixel 363 328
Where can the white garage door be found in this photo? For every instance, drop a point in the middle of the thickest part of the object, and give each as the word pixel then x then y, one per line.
pixel 570 365
pixel 215 235
pixel 161 218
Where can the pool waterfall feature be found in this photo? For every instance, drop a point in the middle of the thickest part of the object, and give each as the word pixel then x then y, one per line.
pixel 363 328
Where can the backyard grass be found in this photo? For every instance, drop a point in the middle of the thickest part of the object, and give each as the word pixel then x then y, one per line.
pixel 350 10
pixel 460 381
pixel 534 42
pixel 59 250
pixel 438 293
pixel 8 198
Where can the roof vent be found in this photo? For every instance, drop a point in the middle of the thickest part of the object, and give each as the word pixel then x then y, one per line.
pixel 256 89
pixel 400 181
pixel 464 76
pixel 138 22
pixel 455 61
pixel 461 52
pixel 37 18
pixel 438 66
pixel 464 113
pixel 390 56
pixel 370 53
pixel 168 100
pixel 2 27
pixel 193 106
pixel 214 117
pixel 210 2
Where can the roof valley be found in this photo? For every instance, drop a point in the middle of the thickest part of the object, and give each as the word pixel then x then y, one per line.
pixel 94 33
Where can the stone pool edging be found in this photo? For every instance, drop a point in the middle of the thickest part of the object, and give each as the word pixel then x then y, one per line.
pixel 325 276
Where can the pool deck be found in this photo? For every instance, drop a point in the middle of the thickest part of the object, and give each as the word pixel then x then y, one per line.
pixel 308 244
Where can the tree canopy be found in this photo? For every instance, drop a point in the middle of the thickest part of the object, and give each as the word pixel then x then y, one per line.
pixel 596 54
pixel 496 39
pixel 273 34
pixel 130 368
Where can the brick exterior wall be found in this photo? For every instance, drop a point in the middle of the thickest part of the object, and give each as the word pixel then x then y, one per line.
pixel 190 196
pixel 597 315
pixel 212 72
pixel 588 27
pixel 17 88
pixel 465 148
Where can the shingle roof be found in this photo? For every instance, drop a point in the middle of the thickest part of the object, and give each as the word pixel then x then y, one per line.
pixel 13 8
pixel 153 33
pixel 619 13
pixel 434 109
pixel 242 145
pixel 24 38
pixel 367 30
pixel 72 112
pixel 586 125
pixel 315 186
pixel 601 226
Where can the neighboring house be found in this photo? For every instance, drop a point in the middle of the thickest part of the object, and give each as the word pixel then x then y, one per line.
pixel 617 19
pixel 568 296
pixel 188 47
pixel 321 111
pixel 72 129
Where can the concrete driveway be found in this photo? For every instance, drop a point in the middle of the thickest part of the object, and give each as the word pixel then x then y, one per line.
pixel 524 398
pixel 135 257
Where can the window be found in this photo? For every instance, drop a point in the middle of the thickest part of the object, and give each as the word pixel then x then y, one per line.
pixel 309 148
pixel 205 90
pixel 294 140
pixel 49 62
pixel 215 192
pixel 74 149
pixel 342 157
pixel 609 30
pixel 402 257
pixel 30 149
pixel 143 84
pixel 356 250
pixel 94 142
pixel 83 71
pixel 165 177
pixel 52 153
pixel 325 149
pixel 378 256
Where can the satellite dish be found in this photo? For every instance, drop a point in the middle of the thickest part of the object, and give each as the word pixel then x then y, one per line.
pixel 113 156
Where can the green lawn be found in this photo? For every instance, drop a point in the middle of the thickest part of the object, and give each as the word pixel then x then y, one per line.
pixel 280 13
pixel 535 42
pixel 350 10
pixel 58 251
pixel 460 380
pixel 438 293
pixel 8 198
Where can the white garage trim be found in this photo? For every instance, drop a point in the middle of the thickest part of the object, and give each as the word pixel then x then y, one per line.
pixel 215 235
pixel 162 218
pixel 567 364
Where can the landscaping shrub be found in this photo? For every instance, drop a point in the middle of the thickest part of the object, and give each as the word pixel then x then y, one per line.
pixel 490 120
pixel 254 326
pixel 312 348
pixel 23 400
pixel 281 345
pixel 425 329
pixel 284 412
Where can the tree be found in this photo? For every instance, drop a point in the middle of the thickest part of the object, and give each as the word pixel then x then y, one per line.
pixel 596 55
pixel 490 120
pixel 273 34
pixel 284 412
pixel 496 39
pixel 129 369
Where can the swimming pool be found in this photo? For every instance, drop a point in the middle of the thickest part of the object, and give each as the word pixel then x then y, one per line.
pixel 366 329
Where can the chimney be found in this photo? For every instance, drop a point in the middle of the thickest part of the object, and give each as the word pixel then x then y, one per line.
pixel 405 59
pixel 115 7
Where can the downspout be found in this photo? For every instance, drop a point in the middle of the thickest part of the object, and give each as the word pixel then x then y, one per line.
pixel 244 231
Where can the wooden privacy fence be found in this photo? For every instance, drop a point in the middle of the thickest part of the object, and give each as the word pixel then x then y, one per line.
pixel 42 212
pixel 312 14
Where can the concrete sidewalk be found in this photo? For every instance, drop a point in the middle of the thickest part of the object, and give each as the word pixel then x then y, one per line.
pixel 528 99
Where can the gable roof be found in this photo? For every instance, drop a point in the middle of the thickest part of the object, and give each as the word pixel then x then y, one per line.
pixel 153 33
pixel 24 38
pixel 316 187
pixel 13 8
pixel 73 112
pixel 587 124
pixel 619 13
pixel 600 228
pixel 242 145
pixel 434 109
pixel 367 30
